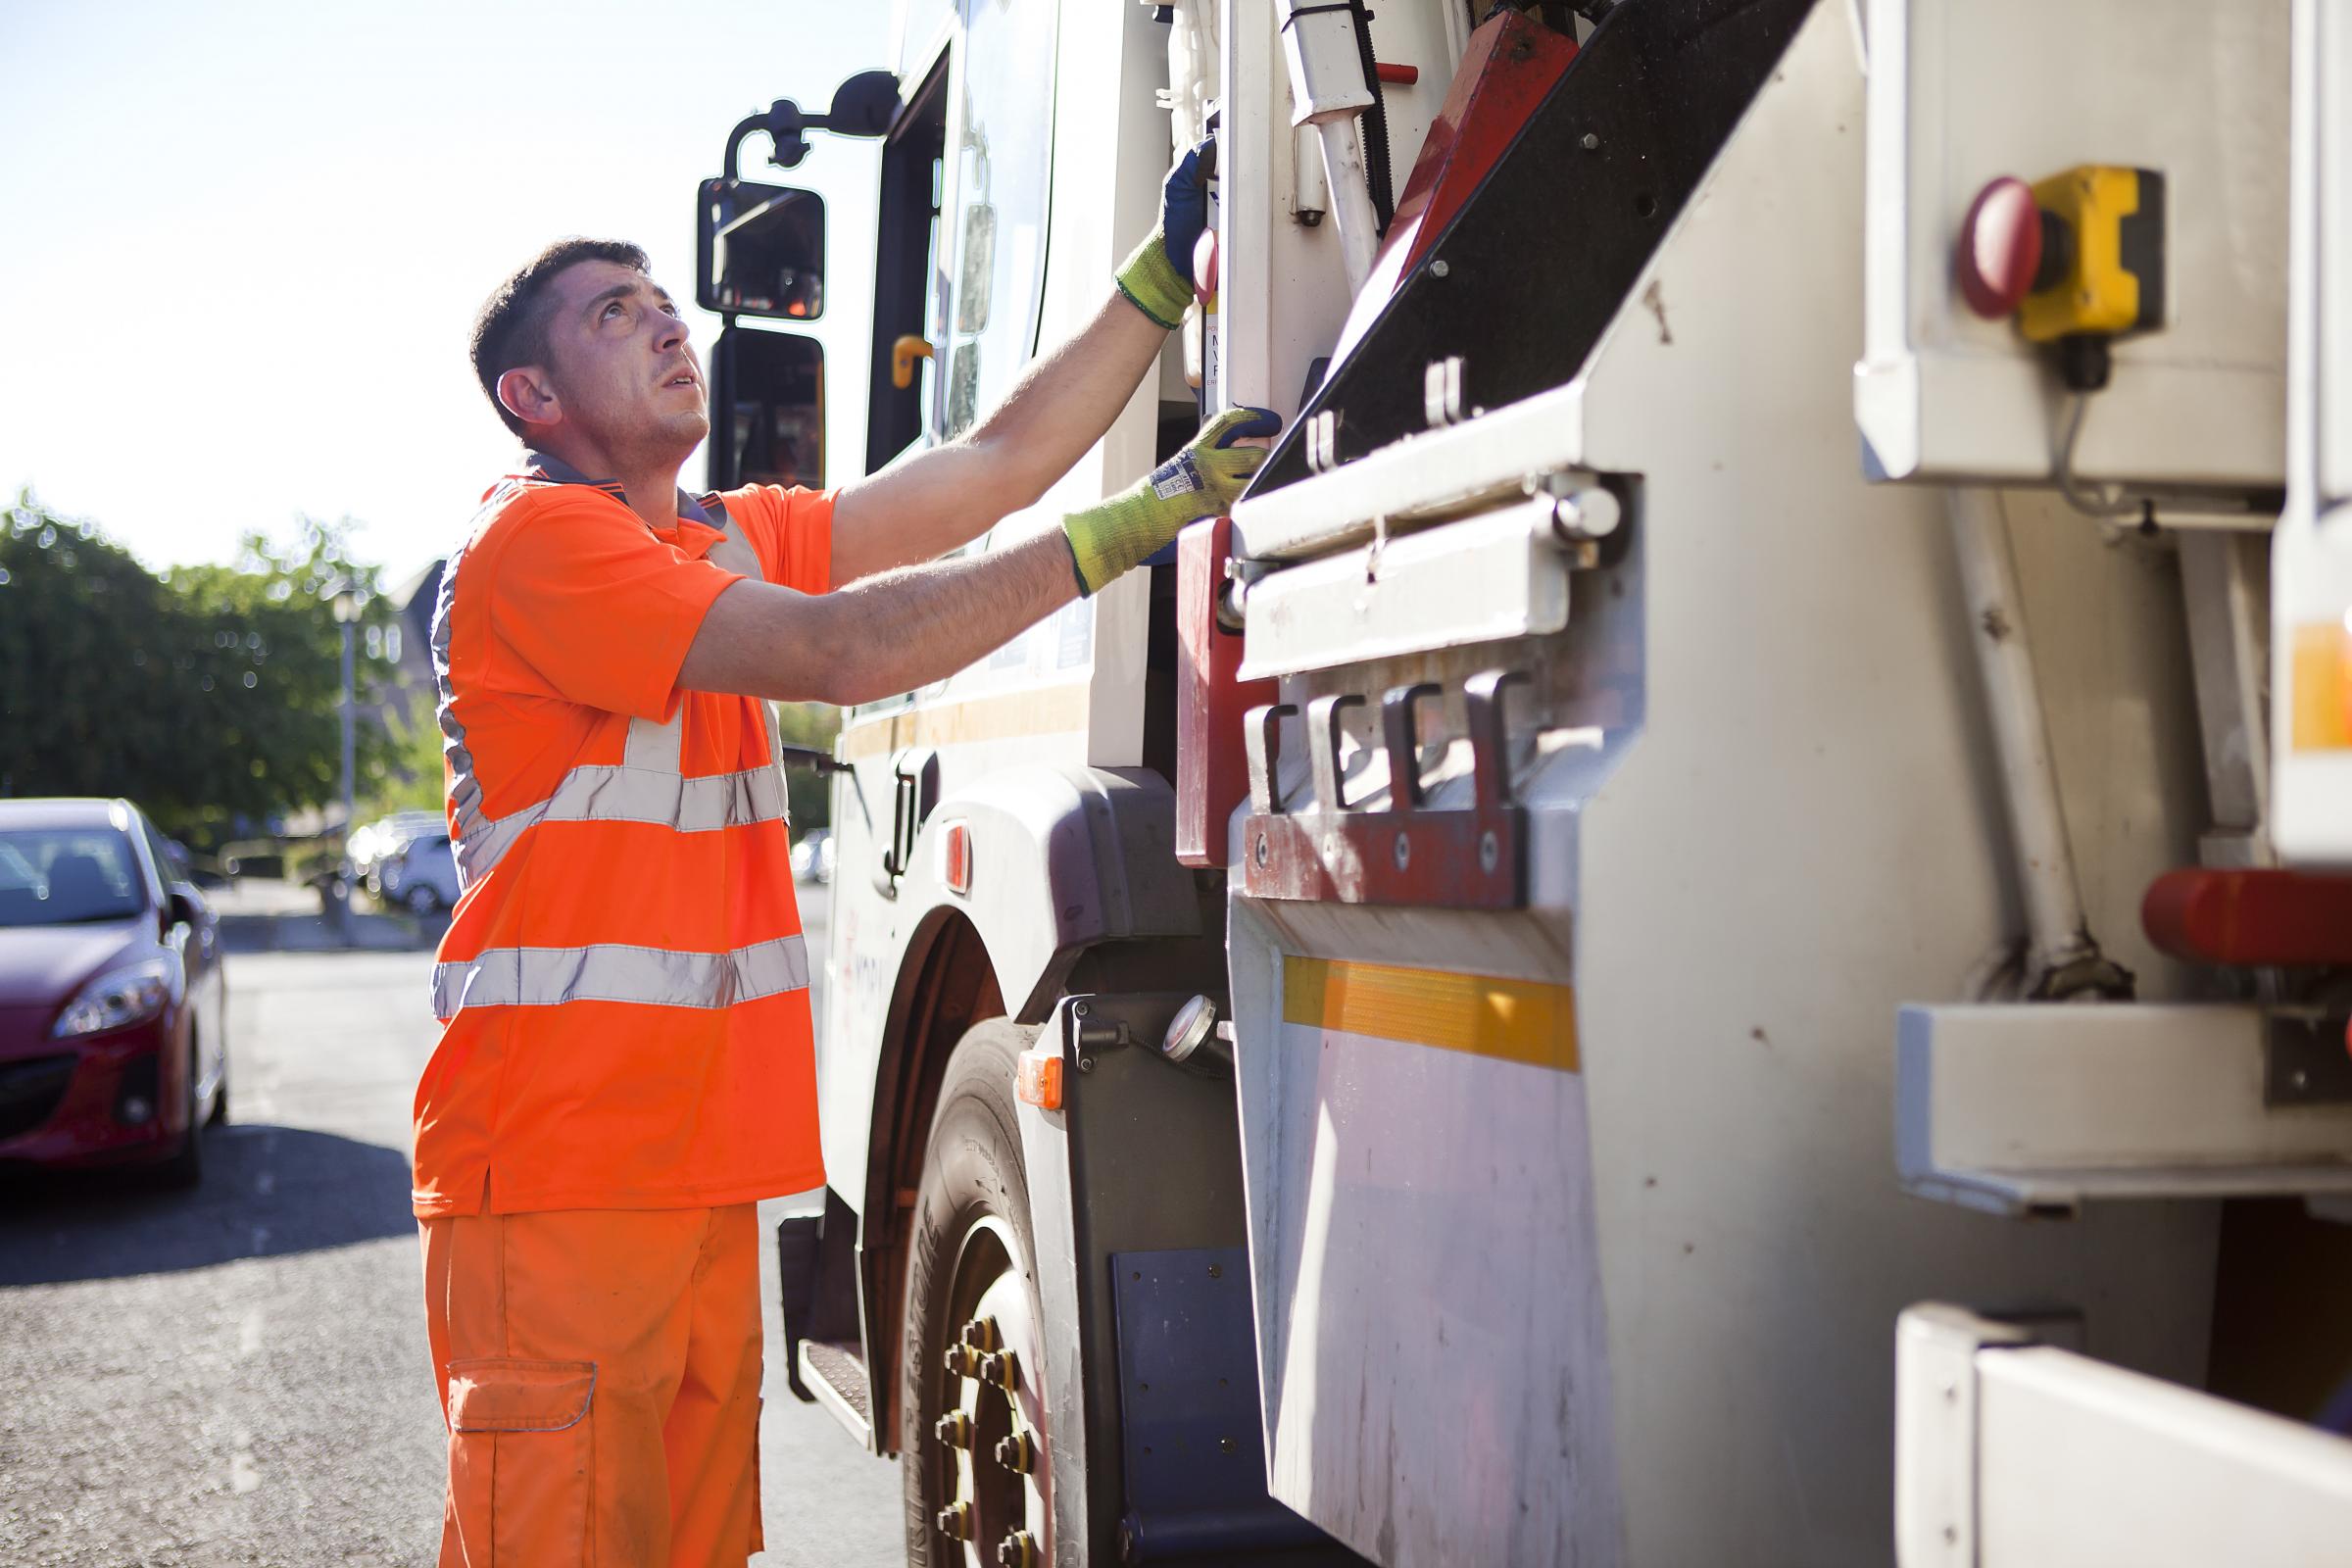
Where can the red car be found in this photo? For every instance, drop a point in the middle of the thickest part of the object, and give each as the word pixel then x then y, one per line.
pixel 113 1009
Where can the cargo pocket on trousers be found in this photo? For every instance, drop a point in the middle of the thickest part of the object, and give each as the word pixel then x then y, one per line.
pixel 521 1460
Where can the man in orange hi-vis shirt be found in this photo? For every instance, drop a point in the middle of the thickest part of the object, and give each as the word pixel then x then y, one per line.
pixel 625 1065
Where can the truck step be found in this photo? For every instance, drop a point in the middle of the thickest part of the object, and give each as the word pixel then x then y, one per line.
pixel 837 1374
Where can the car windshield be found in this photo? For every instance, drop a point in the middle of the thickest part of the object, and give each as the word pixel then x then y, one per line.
pixel 68 875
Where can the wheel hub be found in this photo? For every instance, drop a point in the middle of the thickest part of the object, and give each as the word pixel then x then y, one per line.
pixel 993 1455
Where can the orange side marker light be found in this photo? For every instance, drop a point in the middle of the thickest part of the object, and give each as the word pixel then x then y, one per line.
pixel 956 858
pixel 1039 1079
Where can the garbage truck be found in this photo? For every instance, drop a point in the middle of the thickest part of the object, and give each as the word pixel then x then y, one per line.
pixel 1713 927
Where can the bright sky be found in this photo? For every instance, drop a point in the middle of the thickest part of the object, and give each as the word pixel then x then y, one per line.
pixel 243 243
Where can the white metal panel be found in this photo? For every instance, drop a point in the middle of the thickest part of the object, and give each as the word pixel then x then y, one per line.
pixel 1789 827
pixel 1963 91
pixel 2015 1106
pixel 1283 285
pixel 2028 1457
pixel 2084 1463
pixel 1430 1334
pixel 1282 288
pixel 1479 580
pixel 1806 832
pixel 2311 557
pixel 1540 435
pixel 2324 49
pixel 1935 1436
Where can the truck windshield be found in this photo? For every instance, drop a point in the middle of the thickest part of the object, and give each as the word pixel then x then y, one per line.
pixel 68 877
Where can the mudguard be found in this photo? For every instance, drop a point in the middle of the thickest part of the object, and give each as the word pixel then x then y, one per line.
pixel 1062 857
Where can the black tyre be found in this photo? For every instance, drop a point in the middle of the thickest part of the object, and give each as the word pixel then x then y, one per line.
pixel 220 1115
pixel 973 1445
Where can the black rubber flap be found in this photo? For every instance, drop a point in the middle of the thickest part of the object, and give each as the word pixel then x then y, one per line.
pixel 1539 260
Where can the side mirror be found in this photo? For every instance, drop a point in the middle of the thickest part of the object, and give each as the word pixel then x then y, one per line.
pixel 180 909
pixel 767 410
pixel 760 250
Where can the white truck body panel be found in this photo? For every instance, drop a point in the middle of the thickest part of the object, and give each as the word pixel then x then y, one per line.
pixel 2018 1455
pixel 1579 1231
pixel 1066 690
pixel 1790 828
pixel 1963 91
pixel 2311 559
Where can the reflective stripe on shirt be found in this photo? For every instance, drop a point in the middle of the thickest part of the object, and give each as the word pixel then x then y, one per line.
pixel 648 784
pixel 549 977
pixel 623 792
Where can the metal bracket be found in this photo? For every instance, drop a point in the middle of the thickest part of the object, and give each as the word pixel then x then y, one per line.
pixel 1466 859
pixel 2304 1062
pixel 1441 394
pixel 1323 441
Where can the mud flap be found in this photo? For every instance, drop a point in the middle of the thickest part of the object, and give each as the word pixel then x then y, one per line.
pixel 1135 1182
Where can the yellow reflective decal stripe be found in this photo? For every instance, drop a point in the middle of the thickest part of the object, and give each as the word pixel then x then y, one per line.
pixel 2320 667
pixel 1514 1020
pixel 1000 715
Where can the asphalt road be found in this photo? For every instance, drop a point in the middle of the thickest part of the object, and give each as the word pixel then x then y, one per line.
pixel 239 1375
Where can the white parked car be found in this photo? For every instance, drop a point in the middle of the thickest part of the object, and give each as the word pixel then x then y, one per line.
pixel 372 843
pixel 813 856
pixel 420 877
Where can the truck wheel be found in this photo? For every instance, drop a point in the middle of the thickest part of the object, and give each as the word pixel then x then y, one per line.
pixel 972 1444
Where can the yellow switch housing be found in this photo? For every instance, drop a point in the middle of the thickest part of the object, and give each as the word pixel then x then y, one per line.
pixel 2110 220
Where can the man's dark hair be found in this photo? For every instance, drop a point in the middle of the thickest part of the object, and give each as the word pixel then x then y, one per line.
pixel 512 328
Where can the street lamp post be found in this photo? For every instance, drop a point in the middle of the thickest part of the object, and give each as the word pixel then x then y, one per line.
pixel 346 615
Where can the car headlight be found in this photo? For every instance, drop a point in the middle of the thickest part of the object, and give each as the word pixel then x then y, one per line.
pixel 120 998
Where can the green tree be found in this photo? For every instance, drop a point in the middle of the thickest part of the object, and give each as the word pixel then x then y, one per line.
pixel 415 777
pixel 207 694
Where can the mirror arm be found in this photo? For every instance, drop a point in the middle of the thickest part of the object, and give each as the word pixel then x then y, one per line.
pixel 865 105
pixel 808 757
pixel 783 121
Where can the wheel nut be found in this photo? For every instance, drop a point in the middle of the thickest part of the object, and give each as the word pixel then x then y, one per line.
pixel 1017 1551
pixel 956 1520
pixel 954 1429
pixel 962 1361
pixel 1001 1370
pixel 1016 1452
pixel 980 1333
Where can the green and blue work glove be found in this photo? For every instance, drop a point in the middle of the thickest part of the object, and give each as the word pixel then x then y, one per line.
pixel 1158 277
pixel 1200 481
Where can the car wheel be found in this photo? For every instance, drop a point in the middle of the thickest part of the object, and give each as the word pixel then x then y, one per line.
pixel 976 1462
pixel 421 899
pixel 220 1115
pixel 184 1168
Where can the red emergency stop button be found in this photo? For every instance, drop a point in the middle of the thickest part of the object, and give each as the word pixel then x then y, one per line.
pixel 2000 248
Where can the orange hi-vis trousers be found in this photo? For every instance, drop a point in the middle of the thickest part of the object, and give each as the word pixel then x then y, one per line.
pixel 599 1373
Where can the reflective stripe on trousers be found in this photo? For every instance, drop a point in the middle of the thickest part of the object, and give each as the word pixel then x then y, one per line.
pixel 549 977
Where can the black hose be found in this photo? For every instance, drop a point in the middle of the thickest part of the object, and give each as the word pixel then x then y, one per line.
pixel 1378 174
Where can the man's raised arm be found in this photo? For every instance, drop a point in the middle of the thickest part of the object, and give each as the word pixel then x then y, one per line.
pixel 901 629
pixel 930 502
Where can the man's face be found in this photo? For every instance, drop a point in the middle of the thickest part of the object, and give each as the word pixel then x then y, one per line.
pixel 621 364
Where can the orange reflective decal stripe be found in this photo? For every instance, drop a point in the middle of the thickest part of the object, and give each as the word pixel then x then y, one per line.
pixel 1511 1020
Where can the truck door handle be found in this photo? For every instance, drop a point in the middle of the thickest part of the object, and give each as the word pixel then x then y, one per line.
pixel 915 791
